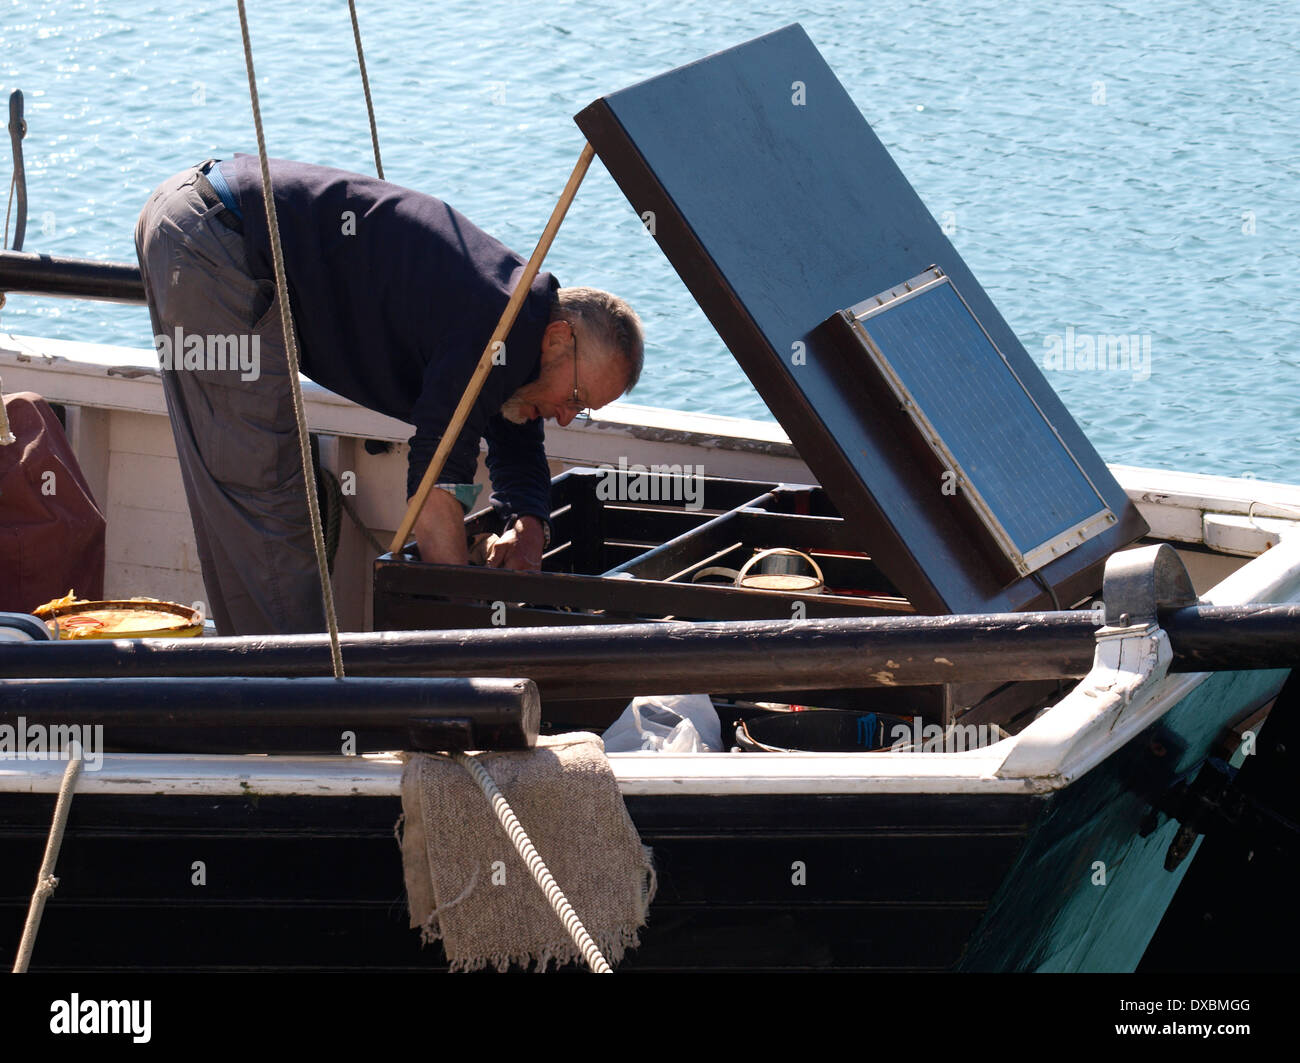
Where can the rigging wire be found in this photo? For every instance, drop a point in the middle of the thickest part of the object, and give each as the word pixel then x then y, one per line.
pixel 365 85
pixel 291 348
pixel 9 206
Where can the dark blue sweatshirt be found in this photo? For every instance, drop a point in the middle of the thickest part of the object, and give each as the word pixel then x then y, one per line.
pixel 394 297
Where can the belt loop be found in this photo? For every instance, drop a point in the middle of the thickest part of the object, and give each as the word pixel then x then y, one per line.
pixel 208 194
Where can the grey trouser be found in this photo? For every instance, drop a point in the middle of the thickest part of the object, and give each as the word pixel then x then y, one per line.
pixel 231 414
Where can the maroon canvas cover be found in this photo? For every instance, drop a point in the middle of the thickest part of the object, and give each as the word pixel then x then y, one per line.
pixel 51 530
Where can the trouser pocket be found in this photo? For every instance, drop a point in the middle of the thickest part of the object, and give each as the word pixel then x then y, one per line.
pixel 248 436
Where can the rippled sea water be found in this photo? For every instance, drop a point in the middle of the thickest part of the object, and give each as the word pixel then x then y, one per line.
pixel 1105 169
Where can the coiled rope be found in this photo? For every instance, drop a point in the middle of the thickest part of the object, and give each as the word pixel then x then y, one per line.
pixel 536 867
pixel 291 345
pixel 46 883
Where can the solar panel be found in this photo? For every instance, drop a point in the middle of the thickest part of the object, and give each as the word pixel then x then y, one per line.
pixel 1007 460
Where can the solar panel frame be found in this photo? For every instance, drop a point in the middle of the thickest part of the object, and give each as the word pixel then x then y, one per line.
pixel 1025 558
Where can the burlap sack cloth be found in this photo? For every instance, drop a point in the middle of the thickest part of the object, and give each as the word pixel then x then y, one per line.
pixel 467 886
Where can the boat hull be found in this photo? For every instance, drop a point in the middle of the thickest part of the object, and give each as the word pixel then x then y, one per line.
pixel 751 881
pixel 801 882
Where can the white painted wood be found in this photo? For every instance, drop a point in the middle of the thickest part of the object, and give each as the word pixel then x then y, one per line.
pixel 1119 697
pixel 637 773
pixel 1274 576
pixel 143 433
pixel 88 433
pixel 1244 536
pixel 1175 503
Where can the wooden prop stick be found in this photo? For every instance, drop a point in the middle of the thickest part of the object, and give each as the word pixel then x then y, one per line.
pixel 503 328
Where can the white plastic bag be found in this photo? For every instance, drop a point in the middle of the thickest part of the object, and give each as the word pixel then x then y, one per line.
pixel 672 723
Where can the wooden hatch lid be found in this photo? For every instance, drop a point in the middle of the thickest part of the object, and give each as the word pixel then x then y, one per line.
pixel 854 316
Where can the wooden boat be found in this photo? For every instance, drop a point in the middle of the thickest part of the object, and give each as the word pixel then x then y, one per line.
pixel 1052 844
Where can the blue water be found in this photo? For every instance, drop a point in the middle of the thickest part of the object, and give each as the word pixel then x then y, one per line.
pixel 1111 169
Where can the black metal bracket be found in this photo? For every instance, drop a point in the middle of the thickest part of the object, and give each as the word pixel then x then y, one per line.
pixel 1214 803
pixel 1140 582
pixel 36 274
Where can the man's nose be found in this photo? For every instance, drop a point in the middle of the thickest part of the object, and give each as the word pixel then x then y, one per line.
pixel 564 416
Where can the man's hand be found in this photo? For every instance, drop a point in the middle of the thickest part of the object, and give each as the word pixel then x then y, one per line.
pixel 519 547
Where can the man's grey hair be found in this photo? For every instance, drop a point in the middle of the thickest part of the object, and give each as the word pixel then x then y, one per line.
pixel 610 320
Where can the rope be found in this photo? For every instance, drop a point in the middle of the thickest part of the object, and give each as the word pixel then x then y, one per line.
pixel 46 883
pixel 365 84
pixel 6 436
pixel 327 486
pixel 351 511
pixel 541 874
pixel 13 180
pixel 291 344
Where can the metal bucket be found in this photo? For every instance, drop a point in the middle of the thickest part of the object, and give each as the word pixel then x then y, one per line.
pixel 68 618
pixel 778 569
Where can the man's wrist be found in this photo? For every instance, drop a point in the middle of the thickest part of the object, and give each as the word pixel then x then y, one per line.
pixel 528 520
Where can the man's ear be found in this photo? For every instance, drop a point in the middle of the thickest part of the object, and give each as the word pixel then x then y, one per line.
pixel 551 333
pixel 555 339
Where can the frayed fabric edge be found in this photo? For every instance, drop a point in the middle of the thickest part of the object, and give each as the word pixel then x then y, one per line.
pixel 613 947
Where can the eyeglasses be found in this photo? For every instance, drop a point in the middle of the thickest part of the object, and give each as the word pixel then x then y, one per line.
pixel 575 404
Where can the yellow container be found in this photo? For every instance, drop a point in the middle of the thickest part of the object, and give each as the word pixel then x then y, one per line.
pixel 130 618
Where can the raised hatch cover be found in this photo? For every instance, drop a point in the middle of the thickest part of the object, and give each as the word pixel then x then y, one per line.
pixel 798 236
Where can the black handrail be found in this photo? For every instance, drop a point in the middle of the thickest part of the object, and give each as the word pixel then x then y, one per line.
pixel 72 278
pixel 623 660
pixel 259 714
